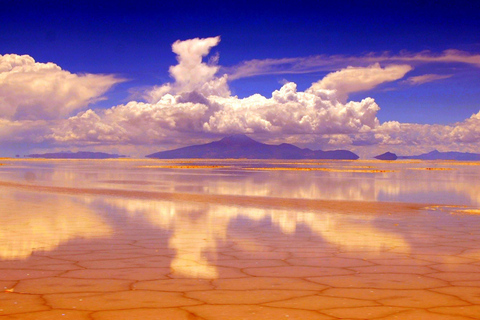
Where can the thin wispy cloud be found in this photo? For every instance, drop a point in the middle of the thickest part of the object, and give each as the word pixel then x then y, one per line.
pixel 322 63
pixel 425 78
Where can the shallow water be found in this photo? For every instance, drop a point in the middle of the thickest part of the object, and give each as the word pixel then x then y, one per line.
pixel 130 239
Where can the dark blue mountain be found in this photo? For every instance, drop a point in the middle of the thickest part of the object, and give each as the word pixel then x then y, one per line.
pixel 76 155
pixel 386 156
pixel 437 155
pixel 240 146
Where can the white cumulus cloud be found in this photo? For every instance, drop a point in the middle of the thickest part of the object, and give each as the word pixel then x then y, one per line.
pixel 31 90
pixel 286 112
pixel 354 79
pixel 199 102
pixel 289 111
pixel 460 136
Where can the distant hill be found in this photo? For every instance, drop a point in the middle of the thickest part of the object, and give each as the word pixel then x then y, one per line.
pixel 76 155
pixel 386 156
pixel 437 155
pixel 240 146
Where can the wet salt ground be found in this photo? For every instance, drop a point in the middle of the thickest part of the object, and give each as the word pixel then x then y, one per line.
pixel 87 256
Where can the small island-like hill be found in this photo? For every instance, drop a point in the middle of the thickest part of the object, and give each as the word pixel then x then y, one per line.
pixel 388 156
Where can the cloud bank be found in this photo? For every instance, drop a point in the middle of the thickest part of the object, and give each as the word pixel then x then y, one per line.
pixel 199 102
pixel 43 103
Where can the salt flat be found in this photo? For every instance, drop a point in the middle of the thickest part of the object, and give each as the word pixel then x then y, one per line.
pixel 239 239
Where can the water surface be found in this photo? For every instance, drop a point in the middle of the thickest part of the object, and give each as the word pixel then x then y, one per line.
pixel 130 239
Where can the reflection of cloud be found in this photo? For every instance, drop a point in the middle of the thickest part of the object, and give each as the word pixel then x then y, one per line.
pixel 35 222
pixel 195 231
pixel 192 244
pixel 198 227
pixel 352 234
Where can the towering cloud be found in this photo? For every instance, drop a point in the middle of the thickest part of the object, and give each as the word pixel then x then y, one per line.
pixel 191 74
pixel 31 90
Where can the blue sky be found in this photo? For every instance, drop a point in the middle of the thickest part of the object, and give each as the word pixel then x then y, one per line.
pixel 132 41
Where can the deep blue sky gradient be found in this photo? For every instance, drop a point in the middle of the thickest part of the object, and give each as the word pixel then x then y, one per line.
pixel 133 39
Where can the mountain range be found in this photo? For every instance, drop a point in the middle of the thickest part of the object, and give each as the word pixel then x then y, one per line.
pixel 437 155
pixel 241 146
pixel 76 155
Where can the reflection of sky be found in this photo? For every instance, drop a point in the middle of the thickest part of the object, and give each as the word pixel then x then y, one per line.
pixel 39 221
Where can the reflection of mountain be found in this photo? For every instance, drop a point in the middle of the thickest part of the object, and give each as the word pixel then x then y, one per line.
pixel 198 228
pixel 76 155
pixel 38 222
pixel 437 155
pixel 241 146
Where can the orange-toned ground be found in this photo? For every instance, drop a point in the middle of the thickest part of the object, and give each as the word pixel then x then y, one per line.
pixel 92 253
